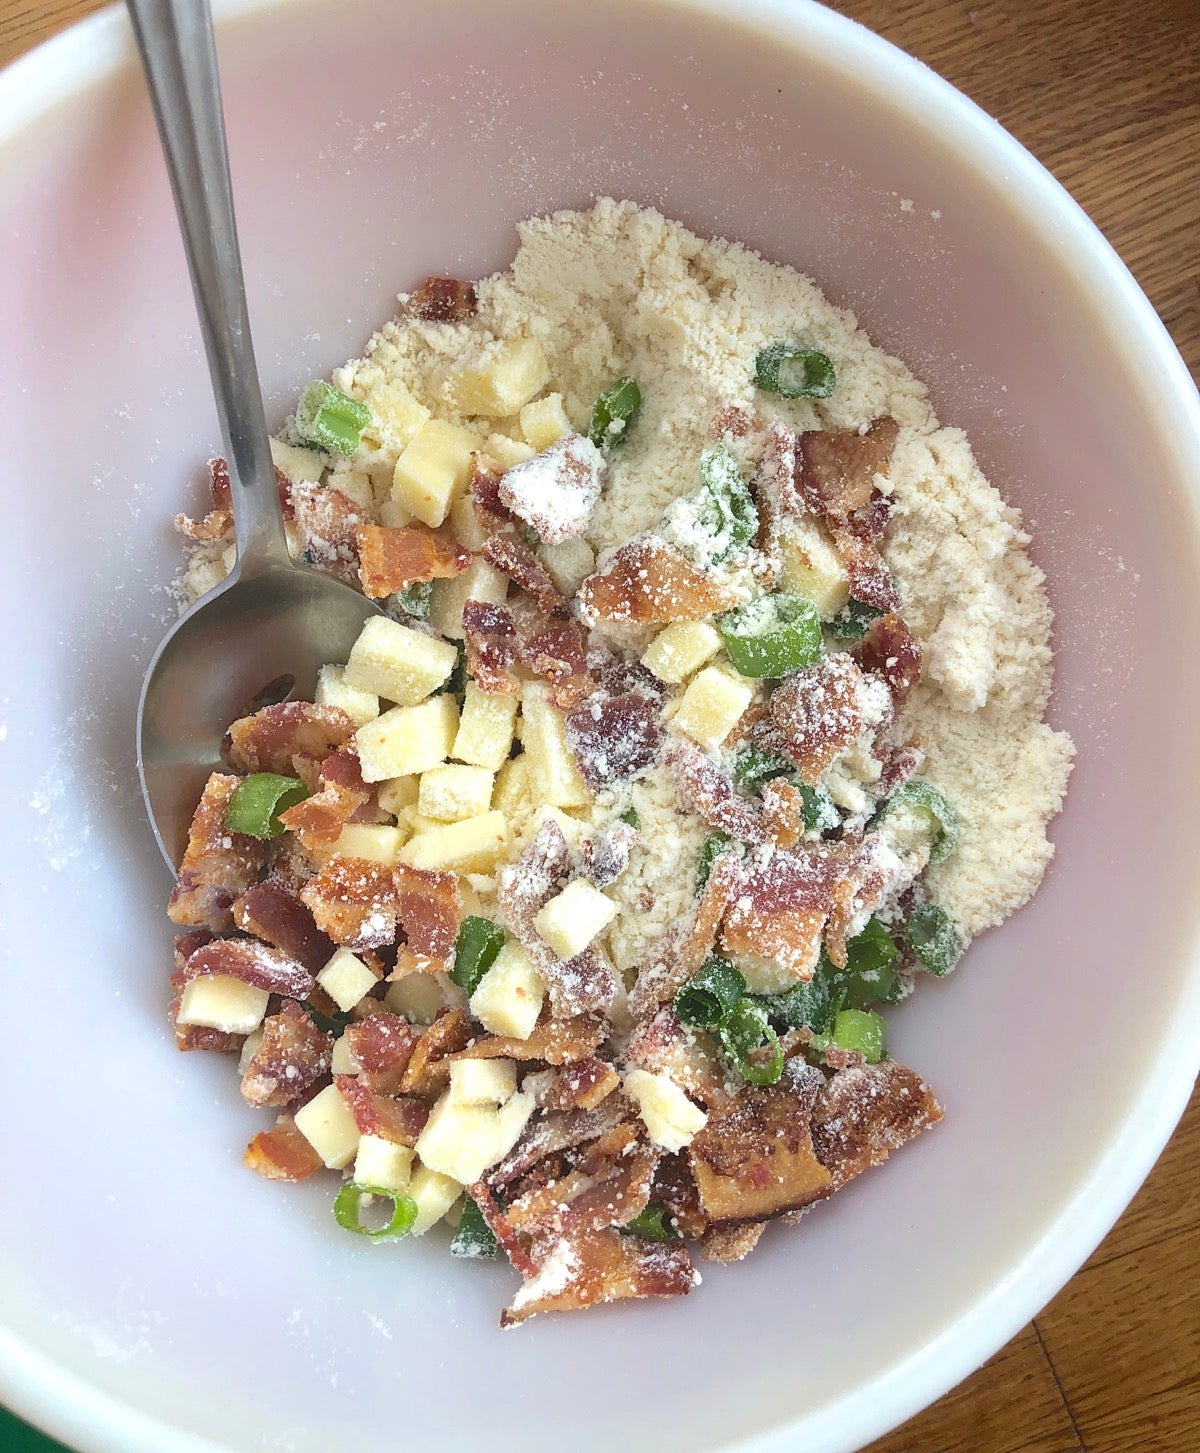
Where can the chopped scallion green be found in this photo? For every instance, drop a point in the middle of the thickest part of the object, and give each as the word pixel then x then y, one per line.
pixel 751 766
pixel 742 1036
pixel 474 1238
pixel 728 512
pixel 330 419
pixel 710 995
pixel 258 800
pixel 479 941
pixel 772 636
pixel 614 412
pixel 854 620
pixel 652 1224
pixel 860 1030
pixel 934 938
pixel 415 599
pixel 925 799
pixel 870 976
pixel 710 850
pixel 347 1211
pixel 820 811
pixel 794 372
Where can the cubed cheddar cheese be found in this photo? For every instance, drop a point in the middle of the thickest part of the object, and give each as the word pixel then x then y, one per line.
pixel 511 795
pixel 810 566
pixel 346 979
pixel 670 1118
pixel 219 1001
pixel 434 1194
pixel 569 562
pixel 573 918
pixel 408 739
pixel 397 793
pixel 383 1164
pixel 419 997
pixel 554 777
pixel 712 706
pixel 301 466
pixel 343 1062
pixel 455 791
pixel 433 470
pixel 398 663
pixel 479 581
pixel 375 842
pixel 328 1125
pixel 462 1141
pixel 509 997
pixel 465 524
pixel 483 1081
pixel 508 453
pixel 475 845
pixel 485 728
pixel 544 422
pixel 511 372
pixel 393 515
pixel 396 417
pixel 250 1048
pixel 574 829
pixel 332 690
pixel 679 651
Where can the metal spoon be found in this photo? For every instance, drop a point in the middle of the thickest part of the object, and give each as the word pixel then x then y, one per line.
pixel 271 619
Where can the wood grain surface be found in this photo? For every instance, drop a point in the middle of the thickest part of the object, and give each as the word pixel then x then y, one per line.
pixel 1106 93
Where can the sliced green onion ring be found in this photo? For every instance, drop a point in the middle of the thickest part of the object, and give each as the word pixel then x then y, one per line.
pixel 330 419
pixel 926 799
pixel 415 599
pixel 710 995
pixel 752 766
pixel 630 815
pixel 794 372
pixel 861 1030
pixel 258 800
pixel 710 850
pixel 347 1209
pixel 772 636
pixel 652 1224
pixel 820 810
pixel 934 938
pixel 746 1031
pixel 807 1005
pixel 870 976
pixel 729 513
pixel 854 620
pixel 479 941
pixel 474 1238
pixel 614 413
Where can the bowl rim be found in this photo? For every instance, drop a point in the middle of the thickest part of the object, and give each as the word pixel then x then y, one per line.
pixel 70 1407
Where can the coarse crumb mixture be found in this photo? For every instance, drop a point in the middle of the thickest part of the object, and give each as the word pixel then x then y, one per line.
pixel 705 714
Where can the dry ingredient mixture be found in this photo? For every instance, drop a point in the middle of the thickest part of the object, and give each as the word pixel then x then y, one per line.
pixel 704 716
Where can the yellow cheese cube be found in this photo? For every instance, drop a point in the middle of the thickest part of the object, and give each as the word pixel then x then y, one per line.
pixel 473 846
pixel 219 1001
pixel 544 422
pixel 669 1116
pixel 573 918
pixel 485 728
pixel 329 1127
pixel 483 1081
pixel 465 524
pixel 511 794
pixel 398 663
pixel 397 793
pixel 511 373
pixel 810 566
pixel 553 776
pixel 343 1062
pixel 480 581
pixel 679 651
pixel 454 792
pixel 355 484
pixel 332 690
pixel 301 466
pixel 462 1141
pixel 508 999
pixel 382 1163
pixel 574 830
pixel 407 739
pixel 249 1049
pixel 394 515
pixel 434 1194
pixel 396 417
pixel 346 979
pixel 433 470
pixel 376 843
pixel 508 453
pixel 569 562
pixel 712 706
pixel 419 997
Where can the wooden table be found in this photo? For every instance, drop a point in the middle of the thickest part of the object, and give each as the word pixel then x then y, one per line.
pixel 1107 94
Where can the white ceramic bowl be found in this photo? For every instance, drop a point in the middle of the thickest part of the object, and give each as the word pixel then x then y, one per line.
pixel 156 1298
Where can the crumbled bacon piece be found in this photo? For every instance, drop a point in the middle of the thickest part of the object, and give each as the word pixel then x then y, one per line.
pixel 491 642
pixel 552 1135
pixel 606 854
pixel 398 1120
pixel 354 901
pixel 838 466
pixel 605 1189
pixel 429 1066
pixel 865 1112
pixel 726 1244
pixel 381 1046
pixel 556 491
pixel 484 492
pixel 430 909
pixel 663 1046
pixel 441 300
pixel 616 675
pixel 271 911
pixel 776 496
pixel 681 951
pixel 818 714
pixel 783 900
pixel 873 873
pixel 783 811
pixel 613 738
pixel 553 1041
pixel 869 578
pixel 272 738
pixel 319 819
pixel 389 559
pixel 705 790
pixel 650 581
pixel 328 522
pixel 218 865
pixel 583 1084
pixel 254 963
pixel 555 649
pixel 523 568
pixel 282 1153
pixel 899 764
pixel 731 421
pixel 674 1190
pixel 890 650
pixel 220 517
pixel 291 1057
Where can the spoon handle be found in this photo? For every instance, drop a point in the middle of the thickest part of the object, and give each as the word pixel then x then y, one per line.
pixel 175 39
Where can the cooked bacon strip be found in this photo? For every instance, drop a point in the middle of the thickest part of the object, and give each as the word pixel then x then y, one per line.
pixel 600 1266
pixel 271 911
pixel 327 523
pixel 282 1154
pixel 218 866
pixel 890 650
pixel 613 738
pixel 523 568
pixel 776 496
pixel 484 492
pixel 675 1191
pixel 441 300
pixel 819 713
pixel 220 517
pixel 873 874
pixel 269 740
pixel 553 1041
pixel 292 1056
pixel 681 951
pixel 552 1135
pixel 663 1046
pixel 555 649
pixel 254 963
pixel 557 490
pixel 784 899
pixel 491 642
pixel 783 812
pixel 319 819
pixel 583 1085
pixel 650 581
pixel 755 1159
pixel 354 901
pixel 899 764
pixel 497 1222
pixel 611 1191
pixel 606 854
pixel 398 1120
pixel 381 1046
pixel 430 909
pixel 390 559
pixel 864 1113
pixel 731 1243
pixel 732 421
pixel 429 1066
pixel 705 790
pixel 870 579
pixel 838 466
